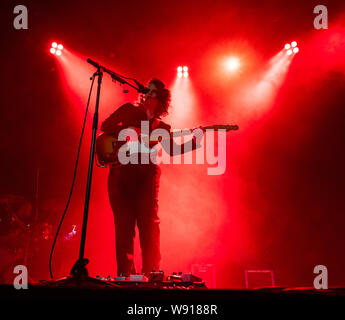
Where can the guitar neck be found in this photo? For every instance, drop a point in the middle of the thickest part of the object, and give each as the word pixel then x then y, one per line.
pixel 179 133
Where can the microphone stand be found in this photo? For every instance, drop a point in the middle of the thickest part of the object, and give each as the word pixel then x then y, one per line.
pixel 79 273
pixel 79 270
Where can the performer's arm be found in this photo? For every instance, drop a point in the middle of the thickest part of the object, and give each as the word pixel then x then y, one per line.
pixel 173 149
pixel 112 125
pixel 188 146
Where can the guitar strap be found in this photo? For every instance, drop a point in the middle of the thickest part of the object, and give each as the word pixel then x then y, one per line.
pixel 155 124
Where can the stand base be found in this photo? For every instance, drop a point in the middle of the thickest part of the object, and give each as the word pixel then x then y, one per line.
pixel 79 282
pixel 79 278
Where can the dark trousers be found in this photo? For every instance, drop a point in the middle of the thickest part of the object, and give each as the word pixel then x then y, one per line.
pixel 133 194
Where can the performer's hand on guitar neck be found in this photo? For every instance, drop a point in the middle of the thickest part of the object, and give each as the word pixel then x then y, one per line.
pixel 198 133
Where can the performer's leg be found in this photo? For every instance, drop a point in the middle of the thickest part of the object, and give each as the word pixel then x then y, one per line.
pixel 124 235
pixel 124 218
pixel 148 222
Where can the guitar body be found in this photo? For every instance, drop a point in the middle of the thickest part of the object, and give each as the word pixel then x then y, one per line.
pixel 107 148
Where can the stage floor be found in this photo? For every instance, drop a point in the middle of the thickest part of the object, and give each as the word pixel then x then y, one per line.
pixel 46 292
pixel 144 303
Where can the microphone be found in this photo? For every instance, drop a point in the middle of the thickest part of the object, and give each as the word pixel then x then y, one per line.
pixel 144 90
pixel 141 88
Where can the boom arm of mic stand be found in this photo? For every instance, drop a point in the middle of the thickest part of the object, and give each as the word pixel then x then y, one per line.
pixel 116 77
pixel 123 81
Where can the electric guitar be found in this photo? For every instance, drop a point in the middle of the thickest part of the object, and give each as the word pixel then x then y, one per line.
pixel 108 147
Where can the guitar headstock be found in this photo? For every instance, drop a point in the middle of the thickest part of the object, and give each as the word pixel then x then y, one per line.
pixel 225 127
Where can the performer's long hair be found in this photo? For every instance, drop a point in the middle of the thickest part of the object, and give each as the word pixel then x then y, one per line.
pixel 163 96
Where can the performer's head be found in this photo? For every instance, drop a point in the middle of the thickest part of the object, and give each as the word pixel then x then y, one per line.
pixel 157 100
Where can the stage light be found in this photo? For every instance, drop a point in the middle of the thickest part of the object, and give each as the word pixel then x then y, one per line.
pixel 56 49
pixel 182 72
pixel 291 48
pixel 232 64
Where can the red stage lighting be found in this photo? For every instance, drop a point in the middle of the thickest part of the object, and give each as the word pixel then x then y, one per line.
pixel 291 48
pixel 232 64
pixel 56 49
pixel 182 72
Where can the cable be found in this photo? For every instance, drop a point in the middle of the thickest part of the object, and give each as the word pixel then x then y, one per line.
pixel 73 180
